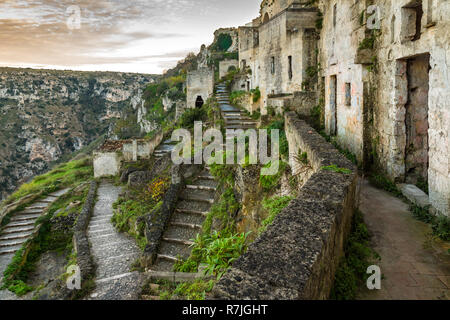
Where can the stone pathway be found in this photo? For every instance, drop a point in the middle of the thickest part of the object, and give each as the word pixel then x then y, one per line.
pixel 164 148
pixel 21 227
pixel 414 266
pixel 192 208
pixel 233 116
pixel 113 252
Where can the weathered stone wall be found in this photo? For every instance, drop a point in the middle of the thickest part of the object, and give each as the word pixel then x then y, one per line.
pixel 296 258
pixel 279 51
pixel 395 49
pixel 106 164
pixel 141 149
pixel 380 103
pixel 80 239
pixel 225 65
pixel 199 83
pixel 339 41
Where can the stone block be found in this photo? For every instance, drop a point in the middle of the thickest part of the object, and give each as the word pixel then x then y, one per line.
pixel 415 195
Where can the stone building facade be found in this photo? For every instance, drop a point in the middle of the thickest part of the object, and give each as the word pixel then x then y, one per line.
pixel 385 69
pixel 227 65
pixel 277 48
pixel 199 87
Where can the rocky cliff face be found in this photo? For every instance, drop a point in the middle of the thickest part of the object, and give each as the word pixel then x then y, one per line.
pixel 46 115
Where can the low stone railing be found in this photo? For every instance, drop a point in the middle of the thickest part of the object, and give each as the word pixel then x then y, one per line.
pixel 297 257
pixel 80 238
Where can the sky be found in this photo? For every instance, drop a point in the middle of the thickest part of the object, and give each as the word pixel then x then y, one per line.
pixel 145 36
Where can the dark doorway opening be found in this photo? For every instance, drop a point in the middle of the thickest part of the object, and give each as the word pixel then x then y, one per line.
pixel 199 102
pixel 333 105
pixel 416 119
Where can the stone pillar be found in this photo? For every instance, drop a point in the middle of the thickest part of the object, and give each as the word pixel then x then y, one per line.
pixel 135 151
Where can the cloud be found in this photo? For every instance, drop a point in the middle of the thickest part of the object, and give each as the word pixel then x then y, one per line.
pixel 118 32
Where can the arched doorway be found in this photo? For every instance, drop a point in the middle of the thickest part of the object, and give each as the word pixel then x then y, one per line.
pixel 199 102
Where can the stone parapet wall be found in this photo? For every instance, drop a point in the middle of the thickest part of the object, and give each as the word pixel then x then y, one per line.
pixel 297 257
pixel 80 239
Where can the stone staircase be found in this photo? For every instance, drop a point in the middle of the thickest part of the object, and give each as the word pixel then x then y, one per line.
pixel 113 252
pixel 186 223
pixel 21 227
pixel 233 116
pixel 164 148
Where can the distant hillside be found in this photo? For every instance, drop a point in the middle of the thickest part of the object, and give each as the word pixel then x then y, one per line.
pixel 46 115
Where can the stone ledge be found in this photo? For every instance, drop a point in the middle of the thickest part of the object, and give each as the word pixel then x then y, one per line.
pixel 297 257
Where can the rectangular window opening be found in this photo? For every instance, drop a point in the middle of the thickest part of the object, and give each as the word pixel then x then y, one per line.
pixel 290 67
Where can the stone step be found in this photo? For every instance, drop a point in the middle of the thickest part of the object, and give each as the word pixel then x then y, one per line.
pixel 206 177
pixel 17 235
pixel 10 250
pixel 20 224
pixel 39 205
pixel 12 243
pixel 93 235
pixel 101 218
pixel 186 225
pixel 200 187
pixel 188 218
pixel 168 258
pixel 206 182
pixel 104 250
pixel 189 197
pixel 179 241
pixel 113 278
pixel 30 211
pixel 49 199
pixel 116 265
pixel 59 193
pixel 177 250
pixel 181 233
pixel 237 127
pixel 15 229
pixel 25 217
pixel 162 265
pixel 101 228
pixel 195 212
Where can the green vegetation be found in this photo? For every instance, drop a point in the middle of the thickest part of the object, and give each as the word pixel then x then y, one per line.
pixel 69 174
pixel 274 206
pixel 334 168
pixel 351 273
pixel 223 43
pixel 219 248
pixel 278 124
pixel 367 43
pixel 269 182
pixel 440 224
pixel 256 94
pixel 139 203
pixel 24 261
pixel 167 290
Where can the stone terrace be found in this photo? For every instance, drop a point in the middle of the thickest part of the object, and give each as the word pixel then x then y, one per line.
pixel 296 258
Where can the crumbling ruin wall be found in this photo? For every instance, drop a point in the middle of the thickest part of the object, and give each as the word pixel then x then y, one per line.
pixel 199 83
pixel 284 48
pixel 227 65
pixel 297 257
